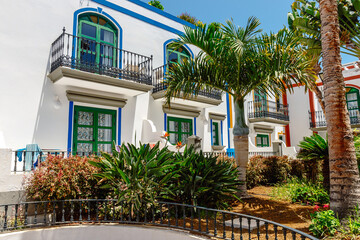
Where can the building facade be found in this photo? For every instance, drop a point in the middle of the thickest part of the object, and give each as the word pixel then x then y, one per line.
pixel 77 76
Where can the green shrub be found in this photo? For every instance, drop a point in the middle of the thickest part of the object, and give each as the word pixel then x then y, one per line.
pixel 255 172
pixel 277 169
pixel 136 175
pixel 267 170
pixel 204 181
pixel 300 190
pixel 324 223
pixel 297 169
pixel 61 178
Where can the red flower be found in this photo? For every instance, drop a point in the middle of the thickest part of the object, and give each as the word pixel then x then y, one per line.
pixel 316 208
pixel 326 206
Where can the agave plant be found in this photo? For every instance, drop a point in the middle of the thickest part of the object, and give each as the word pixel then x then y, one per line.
pixel 204 181
pixel 136 175
pixel 315 149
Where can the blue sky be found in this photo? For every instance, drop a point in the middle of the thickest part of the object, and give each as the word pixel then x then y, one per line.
pixel 272 13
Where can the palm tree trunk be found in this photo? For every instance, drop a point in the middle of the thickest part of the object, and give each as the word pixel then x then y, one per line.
pixel 344 173
pixel 241 144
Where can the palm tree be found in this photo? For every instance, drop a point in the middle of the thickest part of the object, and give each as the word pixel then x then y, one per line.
pixel 304 19
pixel 235 61
pixel 344 173
pixel 314 149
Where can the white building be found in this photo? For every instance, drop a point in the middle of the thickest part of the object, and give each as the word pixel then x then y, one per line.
pixel 78 75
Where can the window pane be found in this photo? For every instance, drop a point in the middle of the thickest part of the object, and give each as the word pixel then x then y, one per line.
pixel 173 138
pixel 265 141
pixel 88 30
pixel 258 141
pixel 85 134
pixel 352 105
pixel 107 36
pixel 351 96
pixel 105 120
pixel 183 57
pixel 104 148
pixel 173 57
pixel 185 127
pixel 104 135
pixel 184 138
pixel 173 126
pixel 84 148
pixel 86 118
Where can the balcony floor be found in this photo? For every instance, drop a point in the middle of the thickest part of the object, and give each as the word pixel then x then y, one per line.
pixel 77 78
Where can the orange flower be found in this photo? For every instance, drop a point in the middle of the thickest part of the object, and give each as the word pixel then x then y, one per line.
pixel 166 135
pixel 179 145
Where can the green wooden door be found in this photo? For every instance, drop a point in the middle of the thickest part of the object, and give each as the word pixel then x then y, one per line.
pixel 96 45
pixel 94 130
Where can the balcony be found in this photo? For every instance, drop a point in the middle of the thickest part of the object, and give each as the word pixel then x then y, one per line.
pixel 268 111
pixel 203 99
pixel 85 63
pixel 318 122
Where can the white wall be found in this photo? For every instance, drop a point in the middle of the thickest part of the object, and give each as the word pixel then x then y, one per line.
pixel 29 109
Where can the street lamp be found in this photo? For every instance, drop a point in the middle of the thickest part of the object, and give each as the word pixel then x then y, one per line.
pixel 321 76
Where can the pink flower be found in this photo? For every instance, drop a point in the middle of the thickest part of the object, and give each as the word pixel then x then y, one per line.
pixel 117 147
pixel 326 206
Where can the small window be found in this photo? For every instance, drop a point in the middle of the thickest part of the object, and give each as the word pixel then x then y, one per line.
pixel 215 133
pixel 352 102
pixel 262 140
pixel 179 129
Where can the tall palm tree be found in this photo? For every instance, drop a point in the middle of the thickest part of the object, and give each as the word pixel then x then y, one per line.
pixel 304 19
pixel 236 61
pixel 344 173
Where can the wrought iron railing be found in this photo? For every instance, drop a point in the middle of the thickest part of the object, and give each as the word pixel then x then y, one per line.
pixel 268 109
pixel 232 155
pixel 205 221
pixel 159 82
pixel 96 57
pixel 26 161
pixel 317 118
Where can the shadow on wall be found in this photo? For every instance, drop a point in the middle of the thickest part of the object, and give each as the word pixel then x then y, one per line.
pixel 51 126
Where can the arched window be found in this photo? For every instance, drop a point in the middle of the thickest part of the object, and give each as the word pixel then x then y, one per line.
pixel 176 55
pixel 98 40
pixel 352 102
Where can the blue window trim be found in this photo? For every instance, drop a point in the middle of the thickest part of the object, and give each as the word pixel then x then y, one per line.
pixel 222 137
pixel 228 118
pixel 100 12
pixel 70 123
pixel 119 125
pixel 195 126
pixel 211 131
pixel 165 120
pixel 173 40
pixel 137 16
pixel 161 12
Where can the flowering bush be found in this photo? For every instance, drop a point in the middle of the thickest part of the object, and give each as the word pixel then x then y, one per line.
pixel 323 222
pixel 61 178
